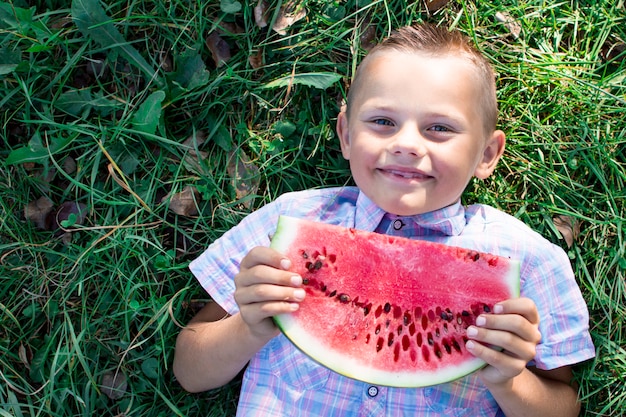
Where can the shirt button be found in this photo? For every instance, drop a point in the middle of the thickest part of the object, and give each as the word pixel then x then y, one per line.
pixel 372 391
pixel 397 224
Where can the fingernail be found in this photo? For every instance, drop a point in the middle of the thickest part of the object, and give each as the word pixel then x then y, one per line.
pixel 481 321
pixel 298 294
pixel 294 306
pixel 469 345
pixel 296 280
pixel 285 264
pixel 498 309
pixel 472 331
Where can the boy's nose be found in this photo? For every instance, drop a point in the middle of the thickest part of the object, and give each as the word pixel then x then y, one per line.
pixel 409 141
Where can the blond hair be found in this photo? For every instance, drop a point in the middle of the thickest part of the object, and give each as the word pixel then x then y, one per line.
pixel 436 41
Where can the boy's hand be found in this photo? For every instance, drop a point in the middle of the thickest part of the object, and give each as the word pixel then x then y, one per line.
pixel 265 288
pixel 513 326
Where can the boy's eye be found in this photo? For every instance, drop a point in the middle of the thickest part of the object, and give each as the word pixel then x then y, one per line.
pixel 382 122
pixel 440 128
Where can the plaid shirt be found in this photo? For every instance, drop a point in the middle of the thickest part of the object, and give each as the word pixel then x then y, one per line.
pixel 281 381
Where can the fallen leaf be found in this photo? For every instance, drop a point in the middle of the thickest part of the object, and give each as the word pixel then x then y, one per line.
pixel 256 59
pixel 194 156
pixel 21 352
pixel 511 24
pixel 69 165
pixel 569 228
pixel 184 203
pixel 244 176
pixel 220 51
pixel 288 14
pixel 37 211
pixel 70 213
pixel 260 14
pixel 114 385
pixel 368 36
pixel 434 5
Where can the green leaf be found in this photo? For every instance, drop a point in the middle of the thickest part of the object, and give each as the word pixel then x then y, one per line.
pixel 9 60
pixel 75 102
pixel 36 151
pixel 16 18
pixel 285 128
pixel 80 103
pixel 191 71
pixel 92 21
pixel 321 80
pixel 230 6
pixel 147 117
pixel 150 368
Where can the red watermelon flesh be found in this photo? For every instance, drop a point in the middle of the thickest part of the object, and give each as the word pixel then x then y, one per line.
pixel 388 310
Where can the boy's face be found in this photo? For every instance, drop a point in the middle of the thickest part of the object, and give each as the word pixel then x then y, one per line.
pixel 415 134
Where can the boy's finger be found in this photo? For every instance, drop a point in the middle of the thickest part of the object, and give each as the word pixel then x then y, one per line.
pixel 510 323
pixel 522 306
pixel 266 293
pixel 261 255
pixel 510 342
pixel 263 274
pixel 506 366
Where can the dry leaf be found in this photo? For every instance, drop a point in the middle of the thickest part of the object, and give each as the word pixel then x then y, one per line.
pixel 114 385
pixel 193 158
pixel 69 165
pixel 184 202
pixel 569 228
pixel 434 5
pixel 510 23
pixel 244 176
pixel 21 352
pixel 368 36
pixel 260 14
pixel 256 60
pixel 288 14
pixel 38 211
pixel 220 51
pixel 67 209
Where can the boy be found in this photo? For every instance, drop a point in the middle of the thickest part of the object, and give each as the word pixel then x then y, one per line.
pixel 420 123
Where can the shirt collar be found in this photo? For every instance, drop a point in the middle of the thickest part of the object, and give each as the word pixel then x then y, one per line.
pixel 449 220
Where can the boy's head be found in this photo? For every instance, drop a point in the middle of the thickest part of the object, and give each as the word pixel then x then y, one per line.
pixel 420 121
pixel 434 41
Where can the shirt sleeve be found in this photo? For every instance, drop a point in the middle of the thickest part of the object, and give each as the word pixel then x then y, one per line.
pixel 549 281
pixel 217 266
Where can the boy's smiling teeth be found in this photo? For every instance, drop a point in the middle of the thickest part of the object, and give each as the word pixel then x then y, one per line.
pixel 405 174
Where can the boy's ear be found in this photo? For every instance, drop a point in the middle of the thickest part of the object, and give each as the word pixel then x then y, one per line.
pixel 494 148
pixel 343 133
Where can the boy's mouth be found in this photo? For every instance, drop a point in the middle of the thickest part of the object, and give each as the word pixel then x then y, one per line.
pixel 406 174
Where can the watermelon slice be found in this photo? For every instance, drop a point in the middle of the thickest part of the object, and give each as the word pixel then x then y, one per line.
pixel 388 310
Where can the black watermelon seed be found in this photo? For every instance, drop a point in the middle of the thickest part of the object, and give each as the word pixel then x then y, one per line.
pixel 406 319
pixel 379 344
pixel 344 298
pixel 486 308
pixel 387 307
pixel 456 346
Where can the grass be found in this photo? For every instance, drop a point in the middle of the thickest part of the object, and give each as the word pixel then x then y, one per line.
pixel 120 106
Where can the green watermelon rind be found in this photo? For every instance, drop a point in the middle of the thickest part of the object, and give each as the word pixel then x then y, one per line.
pixel 286 232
